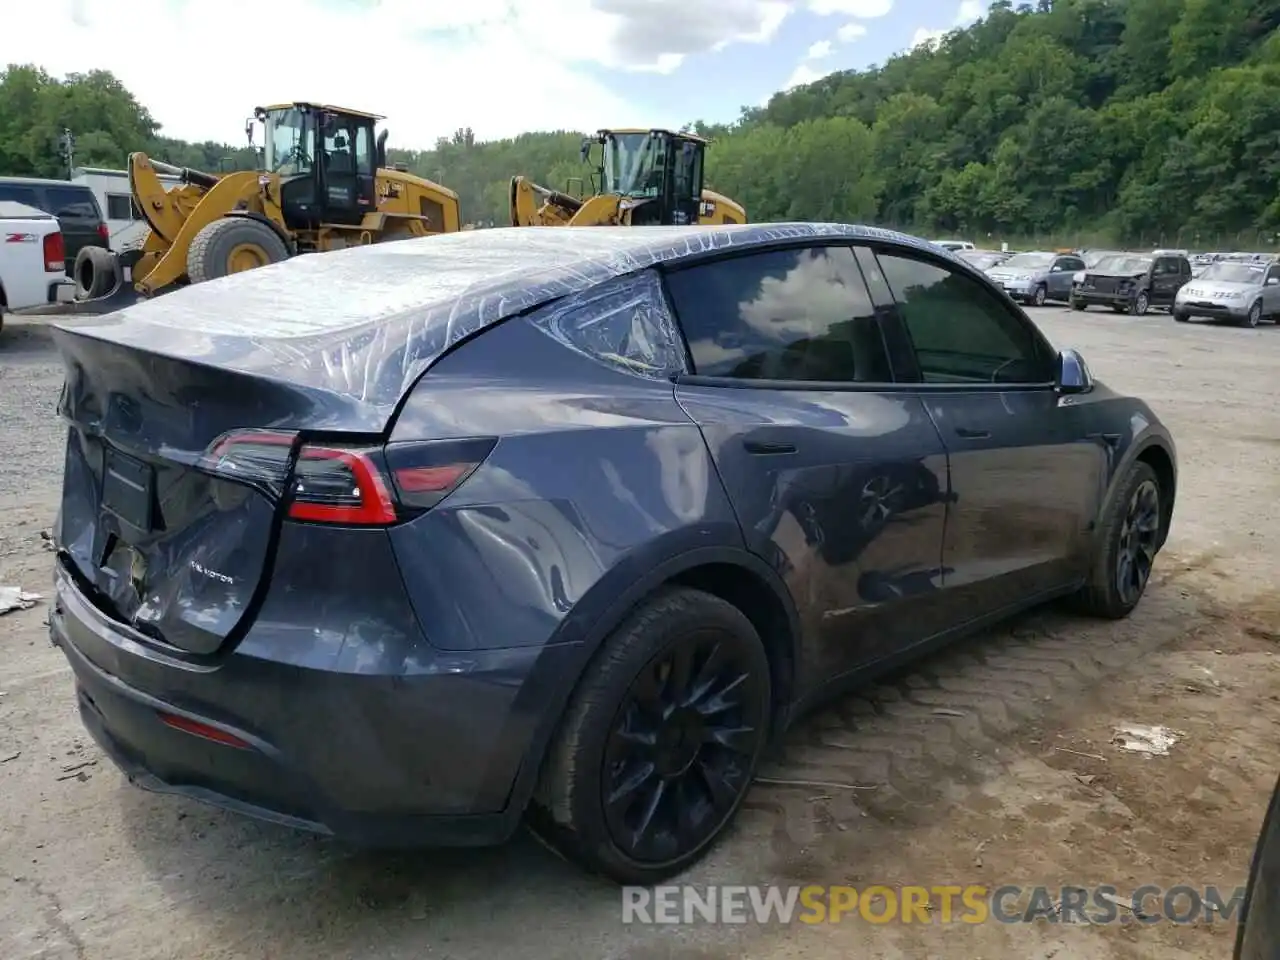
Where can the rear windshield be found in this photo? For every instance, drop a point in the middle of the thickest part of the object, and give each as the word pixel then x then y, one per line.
pixel 19 193
pixel 1123 264
pixel 72 202
pixel 1235 272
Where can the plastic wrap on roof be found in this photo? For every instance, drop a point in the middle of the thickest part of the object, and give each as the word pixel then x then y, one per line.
pixel 365 322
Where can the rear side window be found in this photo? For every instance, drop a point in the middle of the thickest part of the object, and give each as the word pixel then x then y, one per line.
pixel 72 203
pixel 961 331
pixel 624 323
pixel 16 193
pixel 800 315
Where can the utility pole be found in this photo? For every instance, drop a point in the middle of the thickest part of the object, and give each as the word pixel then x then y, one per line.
pixel 67 147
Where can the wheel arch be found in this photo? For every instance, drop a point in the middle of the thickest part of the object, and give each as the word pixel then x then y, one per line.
pixel 1154 448
pixel 731 573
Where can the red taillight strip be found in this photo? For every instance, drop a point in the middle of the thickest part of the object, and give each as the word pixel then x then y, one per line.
pixel 376 506
pixel 204 731
pixel 430 479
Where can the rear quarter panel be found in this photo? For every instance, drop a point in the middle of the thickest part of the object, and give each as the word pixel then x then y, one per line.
pixel 23 279
pixel 598 477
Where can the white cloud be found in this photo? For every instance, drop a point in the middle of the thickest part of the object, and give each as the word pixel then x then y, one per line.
pixel 805 73
pixel 862 9
pixel 967 13
pixel 924 37
pixel 497 66
pixel 851 32
pixel 819 50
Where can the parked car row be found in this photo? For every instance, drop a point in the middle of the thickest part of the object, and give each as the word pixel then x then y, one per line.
pixel 1243 288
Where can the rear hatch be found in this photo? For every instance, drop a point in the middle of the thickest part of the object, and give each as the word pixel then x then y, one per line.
pixel 169 504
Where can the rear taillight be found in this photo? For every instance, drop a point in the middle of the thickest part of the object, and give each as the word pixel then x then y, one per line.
pixel 358 486
pixel 103 233
pixel 55 253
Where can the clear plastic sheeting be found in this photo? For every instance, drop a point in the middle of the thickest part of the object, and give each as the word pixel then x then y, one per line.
pixel 365 322
pixel 625 324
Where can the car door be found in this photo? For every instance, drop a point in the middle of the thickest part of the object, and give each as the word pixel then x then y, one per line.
pixel 1271 291
pixel 1060 276
pixel 1026 477
pixel 839 480
pixel 1166 278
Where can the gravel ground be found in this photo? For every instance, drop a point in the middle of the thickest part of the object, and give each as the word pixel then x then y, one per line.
pixel 991 763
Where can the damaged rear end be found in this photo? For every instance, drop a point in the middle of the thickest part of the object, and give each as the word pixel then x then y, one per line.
pixel 229 599
pixel 179 477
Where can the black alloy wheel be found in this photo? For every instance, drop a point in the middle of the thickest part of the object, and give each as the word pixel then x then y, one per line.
pixel 682 749
pixel 1139 541
pixel 660 740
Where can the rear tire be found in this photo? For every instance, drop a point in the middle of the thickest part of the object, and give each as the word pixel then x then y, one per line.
pixel 660 741
pixel 231 245
pixel 1126 548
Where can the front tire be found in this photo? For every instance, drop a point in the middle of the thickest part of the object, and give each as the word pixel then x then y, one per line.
pixel 1181 317
pixel 1140 304
pixel 231 245
pixel 1127 544
pixel 1255 315
pixel 1040 296
pixel 660 741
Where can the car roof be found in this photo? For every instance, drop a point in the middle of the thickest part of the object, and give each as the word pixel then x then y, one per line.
pixel 11 209
pixel 365 322
pixel 43 182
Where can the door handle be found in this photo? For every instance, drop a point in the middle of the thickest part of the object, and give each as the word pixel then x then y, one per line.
pixel 765 447
pixel 969 433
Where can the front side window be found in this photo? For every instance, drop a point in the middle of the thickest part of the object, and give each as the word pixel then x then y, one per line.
pixel 961 332
pixel 290 142
pixel 793 315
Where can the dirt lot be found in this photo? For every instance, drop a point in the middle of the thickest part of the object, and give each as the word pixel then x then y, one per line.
pixel 990 764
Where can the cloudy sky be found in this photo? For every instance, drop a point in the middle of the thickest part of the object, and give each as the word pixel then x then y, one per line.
pixel 498 66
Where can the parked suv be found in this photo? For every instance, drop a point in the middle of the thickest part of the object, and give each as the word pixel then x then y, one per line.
pixel 75 206
pixel 1244 293
pixel 1036 277
pixel 1132 282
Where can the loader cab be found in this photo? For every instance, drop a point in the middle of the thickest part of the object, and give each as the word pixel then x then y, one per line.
pixel 326 159
pixel 661 172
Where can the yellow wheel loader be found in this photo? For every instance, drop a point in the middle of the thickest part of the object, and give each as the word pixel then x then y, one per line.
pixel 323 184
pixel 642 178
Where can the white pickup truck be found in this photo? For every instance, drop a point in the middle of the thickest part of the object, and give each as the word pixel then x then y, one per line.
pixel 33 271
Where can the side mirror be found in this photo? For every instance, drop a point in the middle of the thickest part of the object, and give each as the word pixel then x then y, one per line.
pixel 1272 281
pixel 1057 268
pixel 248 130
pixel 586 150
pixel 1073 374
pixel 1259 931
